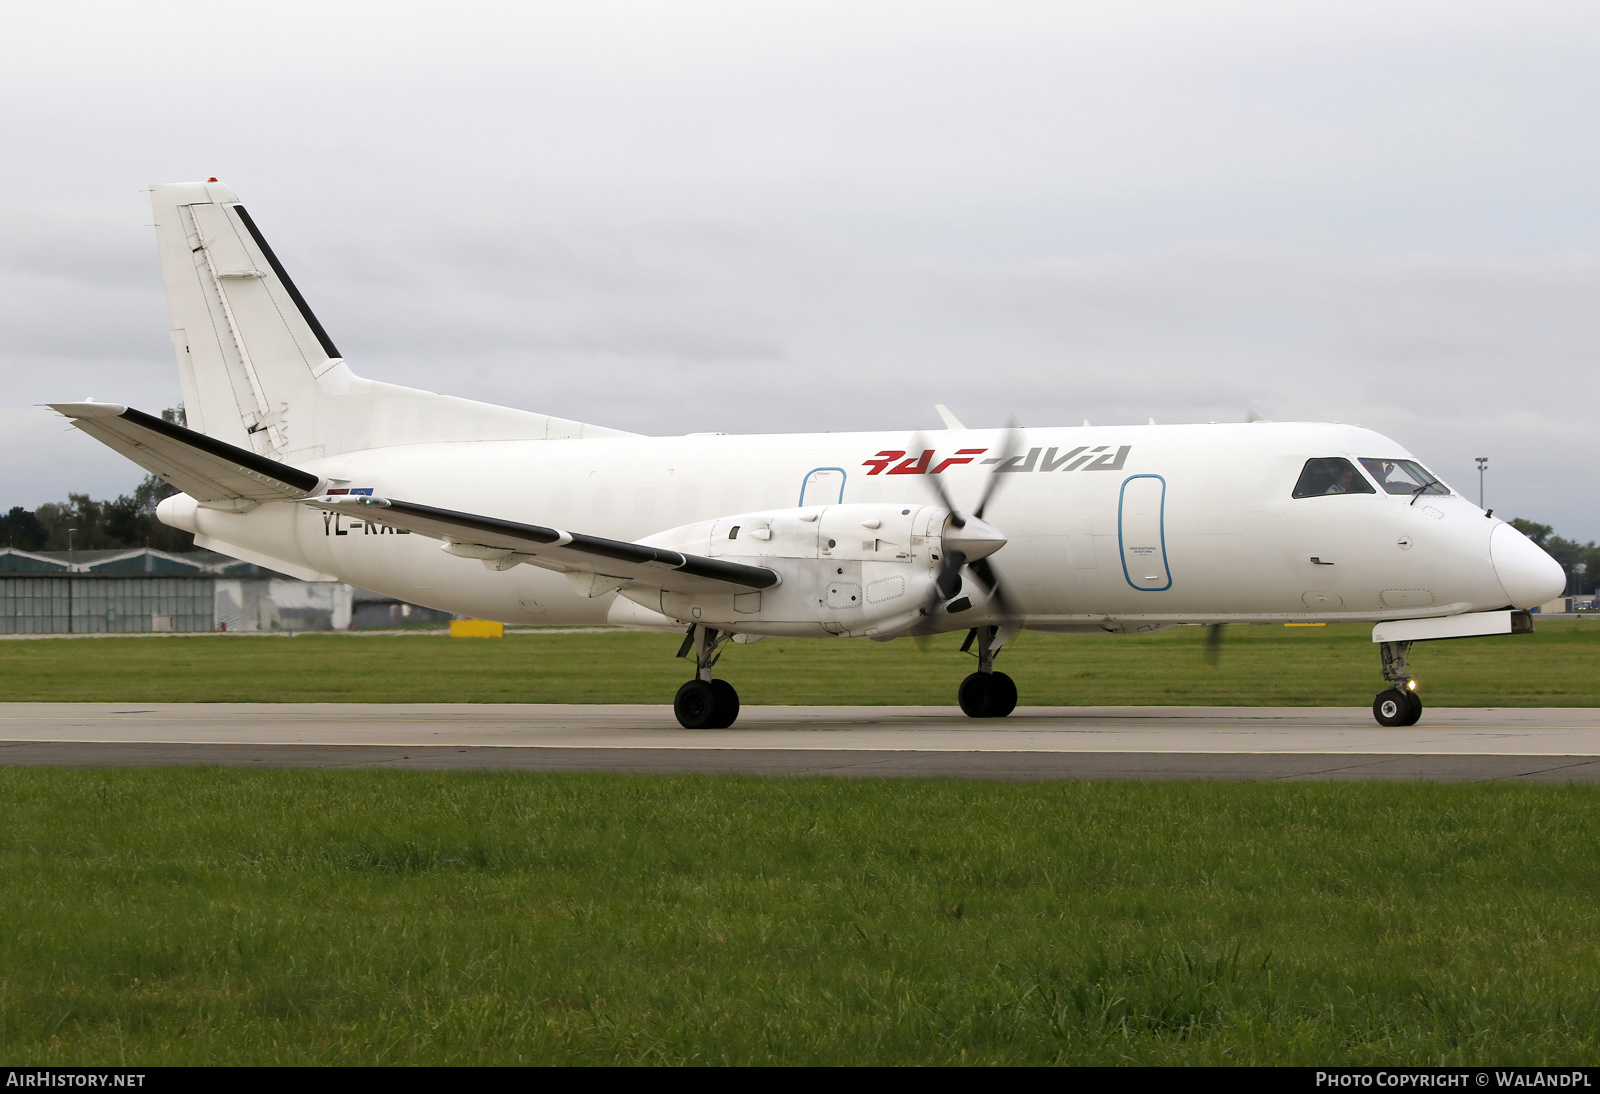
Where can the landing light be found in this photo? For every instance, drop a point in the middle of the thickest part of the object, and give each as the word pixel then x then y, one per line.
pixel 1411 685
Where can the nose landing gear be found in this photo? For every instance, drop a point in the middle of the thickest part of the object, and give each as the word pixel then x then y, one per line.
pixel 704 703
pixel 987 693
pixel 1400 705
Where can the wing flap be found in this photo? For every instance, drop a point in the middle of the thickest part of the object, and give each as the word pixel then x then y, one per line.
pixel 203 467
pixel 490 538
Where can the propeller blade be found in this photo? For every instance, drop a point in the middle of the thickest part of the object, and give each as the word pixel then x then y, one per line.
pixel 985 574
pixel 983 570
pixel 1011 446
pixel 1214 644
pixel 948 583
pixel 938 486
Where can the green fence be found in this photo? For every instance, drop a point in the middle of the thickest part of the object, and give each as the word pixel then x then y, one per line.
pixel 106 605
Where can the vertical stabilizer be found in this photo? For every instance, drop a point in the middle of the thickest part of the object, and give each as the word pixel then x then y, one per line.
pixel 258 369
pixel 248 346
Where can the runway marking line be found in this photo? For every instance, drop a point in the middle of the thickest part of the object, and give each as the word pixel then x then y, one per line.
pixel 1580 757
pixel 938 727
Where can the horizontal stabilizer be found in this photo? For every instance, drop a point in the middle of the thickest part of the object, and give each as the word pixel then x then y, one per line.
pixel 210 471
pixel 504 543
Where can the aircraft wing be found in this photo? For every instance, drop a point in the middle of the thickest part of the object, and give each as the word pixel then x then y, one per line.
pixel 598 565
pixel 208 470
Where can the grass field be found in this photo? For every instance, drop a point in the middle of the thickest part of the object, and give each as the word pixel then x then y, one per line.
pixel 192 915
pixel 1263 666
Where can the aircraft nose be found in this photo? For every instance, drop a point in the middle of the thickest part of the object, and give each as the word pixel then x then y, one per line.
pixel 1528 575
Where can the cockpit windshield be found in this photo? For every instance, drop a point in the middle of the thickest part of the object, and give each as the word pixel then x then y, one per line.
pixel 1330 475
pixel 1404 477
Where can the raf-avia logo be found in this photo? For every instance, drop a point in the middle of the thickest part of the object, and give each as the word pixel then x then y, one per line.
pixel 1082 458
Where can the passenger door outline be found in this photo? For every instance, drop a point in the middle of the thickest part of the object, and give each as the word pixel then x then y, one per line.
pixel 821 485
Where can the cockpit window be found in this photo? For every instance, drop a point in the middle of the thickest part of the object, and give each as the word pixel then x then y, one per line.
pixel 1331 475
pixel 1404 477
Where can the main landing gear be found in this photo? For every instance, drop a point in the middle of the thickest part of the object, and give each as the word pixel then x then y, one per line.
pixel 987 693
pixel 1399 705
pixel 704 703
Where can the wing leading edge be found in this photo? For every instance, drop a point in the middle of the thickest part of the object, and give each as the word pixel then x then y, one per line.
pixel 502 544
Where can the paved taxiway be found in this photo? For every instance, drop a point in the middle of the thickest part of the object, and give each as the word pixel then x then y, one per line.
pixel 1545 744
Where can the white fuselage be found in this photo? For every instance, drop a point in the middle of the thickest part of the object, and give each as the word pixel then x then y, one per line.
pixel 1193 523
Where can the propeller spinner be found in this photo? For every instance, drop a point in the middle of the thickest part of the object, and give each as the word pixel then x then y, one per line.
pixel 973 537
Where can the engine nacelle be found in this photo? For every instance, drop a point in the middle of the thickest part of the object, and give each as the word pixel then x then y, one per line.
pixel 858 570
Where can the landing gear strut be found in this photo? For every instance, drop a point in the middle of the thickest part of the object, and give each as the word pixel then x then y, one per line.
pixel 704 703
pixel 987 693
pixel 1399 705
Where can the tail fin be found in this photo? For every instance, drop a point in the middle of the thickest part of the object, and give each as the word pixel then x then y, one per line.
pixel 248 346
pixel 258 369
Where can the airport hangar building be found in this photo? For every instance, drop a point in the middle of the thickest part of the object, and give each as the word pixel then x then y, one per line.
pixel 144 590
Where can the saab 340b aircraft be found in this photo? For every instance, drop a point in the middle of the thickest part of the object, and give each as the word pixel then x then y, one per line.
pixel 292 461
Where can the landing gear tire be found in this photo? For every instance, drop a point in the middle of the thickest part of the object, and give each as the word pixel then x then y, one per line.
pixel 1397 707
pixel 987 695
pixel 727 704
pixel 700 704
pixel 696 705
pixel 1005 695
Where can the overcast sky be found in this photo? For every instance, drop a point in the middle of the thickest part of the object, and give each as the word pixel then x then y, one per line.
pixel 781 217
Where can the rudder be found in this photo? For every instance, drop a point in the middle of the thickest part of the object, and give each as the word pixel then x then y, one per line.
pixel 248 346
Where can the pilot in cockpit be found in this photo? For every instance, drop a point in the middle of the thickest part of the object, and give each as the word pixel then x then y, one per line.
pixel 1344 482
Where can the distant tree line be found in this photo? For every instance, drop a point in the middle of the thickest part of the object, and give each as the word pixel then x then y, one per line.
pixel 124 522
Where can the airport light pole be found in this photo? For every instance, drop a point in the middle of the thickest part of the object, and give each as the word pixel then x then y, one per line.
pixel 1483 461
pixel 69 545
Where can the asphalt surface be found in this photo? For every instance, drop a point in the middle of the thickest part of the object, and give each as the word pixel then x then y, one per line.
pixel 1235 743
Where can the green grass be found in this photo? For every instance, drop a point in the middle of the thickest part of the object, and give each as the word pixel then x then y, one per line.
pixel 1269 666
pixel 194 916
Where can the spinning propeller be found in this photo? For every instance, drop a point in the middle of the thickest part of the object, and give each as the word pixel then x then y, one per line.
pixel 968 540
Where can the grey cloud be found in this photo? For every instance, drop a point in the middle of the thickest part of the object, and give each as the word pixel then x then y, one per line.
pixel 781 217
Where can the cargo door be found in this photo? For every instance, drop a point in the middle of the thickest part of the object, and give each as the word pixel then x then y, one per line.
pixel 1141 533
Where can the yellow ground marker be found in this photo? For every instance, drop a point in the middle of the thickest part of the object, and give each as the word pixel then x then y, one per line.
pixel 476 628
